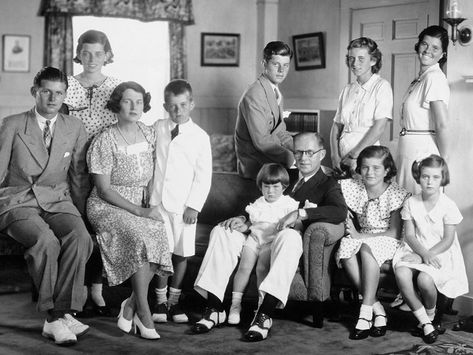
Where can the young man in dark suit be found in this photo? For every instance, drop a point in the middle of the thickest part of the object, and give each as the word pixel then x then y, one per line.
pixel 43 188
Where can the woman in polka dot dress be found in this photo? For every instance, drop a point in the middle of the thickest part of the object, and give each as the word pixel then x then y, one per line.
pixel 87 96
pixel 373 232
pixel 90 90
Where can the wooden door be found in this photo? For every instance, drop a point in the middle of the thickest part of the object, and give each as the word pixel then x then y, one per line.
pixel 395 30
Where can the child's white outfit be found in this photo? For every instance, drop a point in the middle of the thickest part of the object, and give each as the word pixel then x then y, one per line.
pixel 182 178
pixel 451 279
pixel 264 216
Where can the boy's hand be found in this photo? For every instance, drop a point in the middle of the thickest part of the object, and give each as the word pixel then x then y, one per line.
pixel 190 215
pixel 234 224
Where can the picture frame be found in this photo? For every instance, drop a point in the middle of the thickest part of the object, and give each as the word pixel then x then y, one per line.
pixel 16 53
pixel 309 51
pixel 220 49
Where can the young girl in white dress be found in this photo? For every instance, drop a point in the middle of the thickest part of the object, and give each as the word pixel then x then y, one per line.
pixel 264 215
pixel 430 258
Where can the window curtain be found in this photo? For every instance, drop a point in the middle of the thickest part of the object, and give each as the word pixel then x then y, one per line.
pixel 58 14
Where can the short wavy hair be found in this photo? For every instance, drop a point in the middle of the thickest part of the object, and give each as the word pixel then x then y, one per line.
pixel 91 37
pixel 177 87
pixel 373 51
pixel 438 32
pixel 277 48
pixel 113 103
pixel 380 152
pixel 432 161
pixel 50 74
pixel 272 173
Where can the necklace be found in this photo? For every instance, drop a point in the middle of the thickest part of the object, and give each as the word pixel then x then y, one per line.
pixel 123 136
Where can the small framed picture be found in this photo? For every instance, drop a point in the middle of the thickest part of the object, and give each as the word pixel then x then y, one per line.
pixel 309 51
pixel 220 49
pixel 16 53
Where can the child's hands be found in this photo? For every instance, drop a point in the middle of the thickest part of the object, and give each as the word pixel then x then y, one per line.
pixel 153 213
pixel 235 224
pixel 430 258
pixel 190 215
pixel 412 258
pixel 287 221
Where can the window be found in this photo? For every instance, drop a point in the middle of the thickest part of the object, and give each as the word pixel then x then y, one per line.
pixel 141 54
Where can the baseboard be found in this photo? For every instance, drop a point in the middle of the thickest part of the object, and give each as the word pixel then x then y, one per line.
pixel 464 305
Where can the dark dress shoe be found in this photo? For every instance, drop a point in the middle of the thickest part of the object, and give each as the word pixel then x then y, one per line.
pixel 378 331
pixel 211 318
pixel 359 334
pixel 102 311
pixel 259 328
pixel 418 332
pixel 431 337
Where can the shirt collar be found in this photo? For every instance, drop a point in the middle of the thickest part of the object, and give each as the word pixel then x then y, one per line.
pixel 369 83
pixel 42 120
pixel 183 127
pixel 434 67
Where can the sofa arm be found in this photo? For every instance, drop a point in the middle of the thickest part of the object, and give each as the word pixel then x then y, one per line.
pixel 319 241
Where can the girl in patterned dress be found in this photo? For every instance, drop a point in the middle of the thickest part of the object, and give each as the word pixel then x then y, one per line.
pixel 131 236
pixel 430 258
pixel 373 231
pixel 87 96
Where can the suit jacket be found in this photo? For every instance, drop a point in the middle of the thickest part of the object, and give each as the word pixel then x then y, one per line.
pixel 326 192
pixel 183 167
pixel 30 177
pixel 260 132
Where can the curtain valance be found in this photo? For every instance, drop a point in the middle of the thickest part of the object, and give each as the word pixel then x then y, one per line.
pixel 143 10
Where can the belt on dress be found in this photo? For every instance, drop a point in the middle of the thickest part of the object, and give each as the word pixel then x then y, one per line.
pixel 416 131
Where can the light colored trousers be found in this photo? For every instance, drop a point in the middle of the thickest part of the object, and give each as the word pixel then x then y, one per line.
pixel 281 257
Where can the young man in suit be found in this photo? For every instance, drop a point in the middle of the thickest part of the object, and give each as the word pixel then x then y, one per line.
pixel 260 132
pixel 43 188
pixel 320 200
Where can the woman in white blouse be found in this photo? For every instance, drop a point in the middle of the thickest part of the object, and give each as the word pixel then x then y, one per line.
pixel 424 107
pixel 364 106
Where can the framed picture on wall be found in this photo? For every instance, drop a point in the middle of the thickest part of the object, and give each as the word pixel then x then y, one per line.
pixel 16 53
pixel 220 49
pixel 309 51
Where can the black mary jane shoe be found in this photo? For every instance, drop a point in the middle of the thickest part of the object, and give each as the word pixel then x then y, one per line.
pixel 92 310
pixel 102 311
pixel 359 334
pixel 428 338
pixel 377 332
pixel 418 332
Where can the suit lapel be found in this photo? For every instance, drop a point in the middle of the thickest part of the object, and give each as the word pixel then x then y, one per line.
pixel 60 139
pixel 271 96
pixel 33 139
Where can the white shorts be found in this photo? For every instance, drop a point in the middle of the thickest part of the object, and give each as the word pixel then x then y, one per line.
pixel 181 236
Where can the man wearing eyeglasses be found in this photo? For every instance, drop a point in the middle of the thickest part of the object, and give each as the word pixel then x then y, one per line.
pixel 321 208
pixel 260 132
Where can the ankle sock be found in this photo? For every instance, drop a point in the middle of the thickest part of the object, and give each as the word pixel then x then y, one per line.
pixel 161 295
pixel 423 318
pixel 96 294
pixel 430 313
pixel 378 310
pixel 365 317
pixel 174 295
pixel 236 298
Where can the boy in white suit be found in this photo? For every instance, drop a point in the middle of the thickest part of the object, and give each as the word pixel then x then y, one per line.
pixel 182 177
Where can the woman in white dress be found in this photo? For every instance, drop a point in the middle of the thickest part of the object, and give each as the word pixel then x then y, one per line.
pixel 424 107
pixel 364 106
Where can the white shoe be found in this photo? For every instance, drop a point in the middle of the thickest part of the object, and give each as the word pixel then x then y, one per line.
pixel 146 333
pixel 234 314
pixel 78 328
pixel 59 332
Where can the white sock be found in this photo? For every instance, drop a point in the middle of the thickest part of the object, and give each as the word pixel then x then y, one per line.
pixel 236 298
pixel 96 294
pixel 430 313
pixel 366 314
pixel 161 295
pixel 378 310
pixel 423 318
pixel 174 295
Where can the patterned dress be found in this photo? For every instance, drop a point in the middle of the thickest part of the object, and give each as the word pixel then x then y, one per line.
pixel 88 104
pixel 373 216
pixel 451 279
pixel 126 241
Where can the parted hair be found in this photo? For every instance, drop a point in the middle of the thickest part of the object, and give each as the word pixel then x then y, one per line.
pixel 272 173
pixel 432 161
pixel 91 37
pixel 373 51
pixel 177 87
pixel 50 74
pixel 438 32
pixel 113 103
pixel 380 152
pixel 277 48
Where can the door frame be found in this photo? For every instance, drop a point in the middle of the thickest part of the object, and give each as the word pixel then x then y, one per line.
pixel 346 12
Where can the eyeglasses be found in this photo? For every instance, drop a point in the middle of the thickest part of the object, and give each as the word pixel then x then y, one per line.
pixel 310 153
